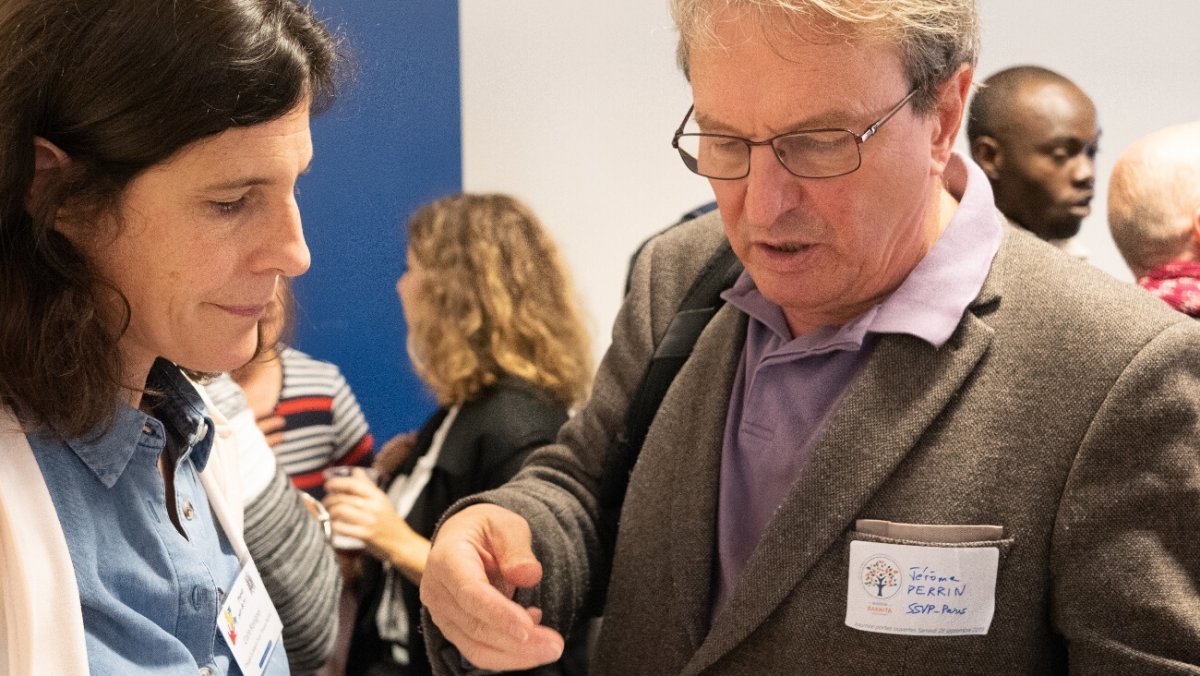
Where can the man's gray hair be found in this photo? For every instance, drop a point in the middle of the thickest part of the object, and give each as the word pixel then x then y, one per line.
pixel 1152 197
pixel 934 37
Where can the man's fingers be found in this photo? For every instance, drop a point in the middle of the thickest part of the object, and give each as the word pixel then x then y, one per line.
pixel 479 557
pixel 535 614
pixel 490 630
pixel 543 646
pixel 465 590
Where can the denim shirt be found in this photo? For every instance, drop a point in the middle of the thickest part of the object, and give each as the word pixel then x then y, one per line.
pixel 150 596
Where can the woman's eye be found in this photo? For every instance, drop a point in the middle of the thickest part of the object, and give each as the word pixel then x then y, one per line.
pixel 229 208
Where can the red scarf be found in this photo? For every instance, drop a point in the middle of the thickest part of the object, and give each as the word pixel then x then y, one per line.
pixel 1177 283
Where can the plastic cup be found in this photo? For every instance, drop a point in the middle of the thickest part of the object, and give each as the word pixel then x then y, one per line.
pixel 345 542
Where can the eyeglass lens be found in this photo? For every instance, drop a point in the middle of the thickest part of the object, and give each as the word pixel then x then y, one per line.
pixel 811 154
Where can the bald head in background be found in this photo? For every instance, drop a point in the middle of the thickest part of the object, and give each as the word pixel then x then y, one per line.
pixel 1035 134
pixel 1154 200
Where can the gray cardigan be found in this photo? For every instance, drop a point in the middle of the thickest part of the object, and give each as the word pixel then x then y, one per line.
pixel 1065 408
pixel 298 569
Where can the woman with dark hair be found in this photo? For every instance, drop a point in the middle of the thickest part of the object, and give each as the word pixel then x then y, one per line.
pixel 149 151
pixel 494 331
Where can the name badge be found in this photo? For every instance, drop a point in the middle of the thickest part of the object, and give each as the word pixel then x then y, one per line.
pixel 932 591
pixel 250 623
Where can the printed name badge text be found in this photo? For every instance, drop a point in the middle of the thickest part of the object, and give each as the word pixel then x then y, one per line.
pixel 249 622
pixel 932 591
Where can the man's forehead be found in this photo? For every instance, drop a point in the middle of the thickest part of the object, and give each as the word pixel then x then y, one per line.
pixel 832 115
pixel 1053 101
pixel 754 82
pixel 1045 110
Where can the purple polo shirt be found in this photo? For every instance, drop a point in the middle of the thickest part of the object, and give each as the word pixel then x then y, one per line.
pixel 787 389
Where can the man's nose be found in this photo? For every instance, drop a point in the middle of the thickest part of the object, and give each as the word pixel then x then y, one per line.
pixel 771 189
pixel 1084 171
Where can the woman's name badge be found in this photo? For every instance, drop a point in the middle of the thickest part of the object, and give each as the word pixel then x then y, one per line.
pixel 931 591
pixel 250 623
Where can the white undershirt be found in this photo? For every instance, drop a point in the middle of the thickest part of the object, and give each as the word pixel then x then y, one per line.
pixel 405 489
pixel 391 619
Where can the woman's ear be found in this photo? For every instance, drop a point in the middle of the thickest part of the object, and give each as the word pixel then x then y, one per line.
pixel 48 161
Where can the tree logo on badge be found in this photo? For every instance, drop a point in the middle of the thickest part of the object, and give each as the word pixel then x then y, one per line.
pixel 881 577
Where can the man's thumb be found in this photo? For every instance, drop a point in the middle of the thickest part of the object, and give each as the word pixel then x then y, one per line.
pixel 512 545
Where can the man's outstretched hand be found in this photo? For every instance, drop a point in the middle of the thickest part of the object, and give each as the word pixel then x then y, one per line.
pixel 480 557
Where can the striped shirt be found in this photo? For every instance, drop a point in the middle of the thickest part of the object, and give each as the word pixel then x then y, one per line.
pixel 323 424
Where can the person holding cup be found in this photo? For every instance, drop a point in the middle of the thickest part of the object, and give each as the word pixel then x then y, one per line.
pixel 347 544
pixel 494 332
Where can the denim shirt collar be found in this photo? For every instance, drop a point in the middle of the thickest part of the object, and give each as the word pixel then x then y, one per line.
pixel 107 452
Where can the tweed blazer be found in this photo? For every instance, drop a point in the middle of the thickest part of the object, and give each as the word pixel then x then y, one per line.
pixel 1065 408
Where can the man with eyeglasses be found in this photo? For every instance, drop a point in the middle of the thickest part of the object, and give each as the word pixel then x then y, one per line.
pixel 908 443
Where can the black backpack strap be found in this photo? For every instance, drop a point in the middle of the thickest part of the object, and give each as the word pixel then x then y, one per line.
pixel 699 305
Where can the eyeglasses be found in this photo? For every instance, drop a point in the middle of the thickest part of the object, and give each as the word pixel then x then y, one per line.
pixel 808 153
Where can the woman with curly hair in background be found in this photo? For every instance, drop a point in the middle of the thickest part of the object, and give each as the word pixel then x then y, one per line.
pixel 495 333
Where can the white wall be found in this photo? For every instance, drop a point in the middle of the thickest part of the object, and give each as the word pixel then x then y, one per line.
pixel 570 105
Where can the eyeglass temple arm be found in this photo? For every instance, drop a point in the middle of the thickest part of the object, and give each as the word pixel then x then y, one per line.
pixel 679 130
pixel 890 114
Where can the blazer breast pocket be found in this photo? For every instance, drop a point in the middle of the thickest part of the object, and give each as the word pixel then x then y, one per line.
pixel 923 581
pixel 932 535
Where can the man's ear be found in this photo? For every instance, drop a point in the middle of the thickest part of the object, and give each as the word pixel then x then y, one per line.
pixel 49 161
pixel 949 106
pixel 986 152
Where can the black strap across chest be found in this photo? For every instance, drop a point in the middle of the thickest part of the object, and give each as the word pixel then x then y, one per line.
pixel 698 307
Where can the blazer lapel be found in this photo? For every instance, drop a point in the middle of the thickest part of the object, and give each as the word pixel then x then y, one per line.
pixel 901 389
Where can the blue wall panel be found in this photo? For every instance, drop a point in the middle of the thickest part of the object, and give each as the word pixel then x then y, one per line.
pixel 390 143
